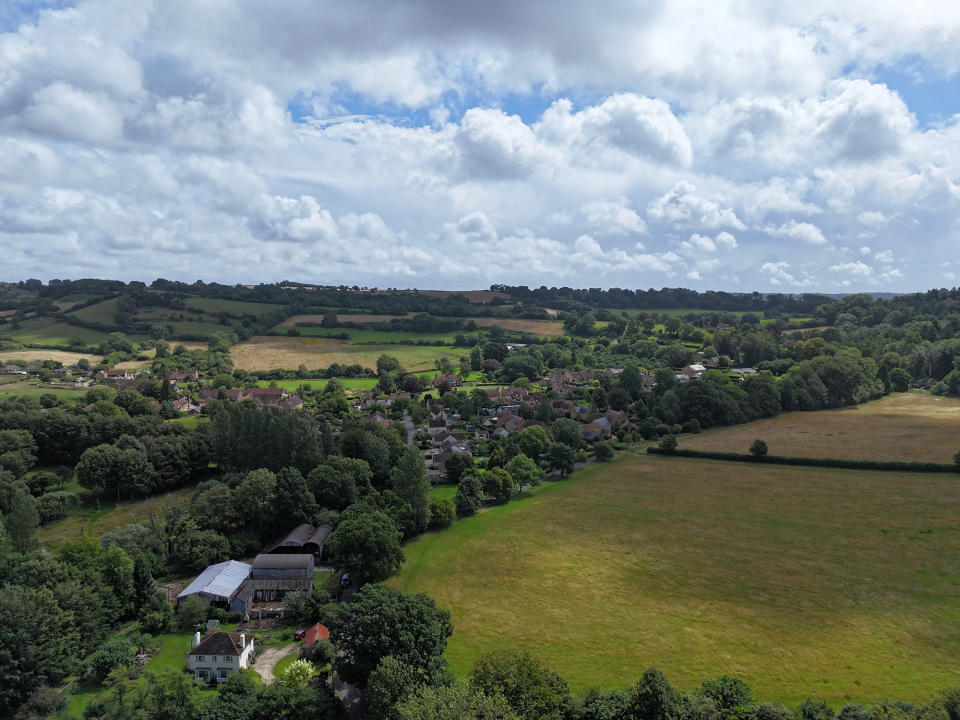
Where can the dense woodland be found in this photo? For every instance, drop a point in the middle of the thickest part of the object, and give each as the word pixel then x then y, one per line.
pixel 256 472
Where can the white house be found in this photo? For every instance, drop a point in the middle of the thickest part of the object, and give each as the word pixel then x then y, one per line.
pixel 219 654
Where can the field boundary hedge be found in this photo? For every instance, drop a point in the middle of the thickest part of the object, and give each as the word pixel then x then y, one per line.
pixel 893 465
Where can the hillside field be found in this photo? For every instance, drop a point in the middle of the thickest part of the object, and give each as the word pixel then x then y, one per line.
pixel 262 352
pixel 835 584
pixel 914 426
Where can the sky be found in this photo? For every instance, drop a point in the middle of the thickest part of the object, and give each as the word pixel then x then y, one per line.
pixel 735 145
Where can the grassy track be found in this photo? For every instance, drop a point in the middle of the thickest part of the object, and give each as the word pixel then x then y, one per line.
pixel 915 426
pixel 804 582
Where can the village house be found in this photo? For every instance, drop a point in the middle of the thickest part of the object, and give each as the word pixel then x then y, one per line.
pixel 184 375
pixel 113 374
pixel 694 371
pixel 219 655
pixel 378 418
pixel 599 428
pixel 451 380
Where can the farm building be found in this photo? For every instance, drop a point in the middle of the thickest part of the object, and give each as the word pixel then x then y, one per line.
pixel 219 583
pixel 314 634
pixel 303 539
pixel 273 577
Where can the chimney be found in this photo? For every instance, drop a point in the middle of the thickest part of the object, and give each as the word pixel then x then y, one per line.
pixel 243 640
pixel 196 639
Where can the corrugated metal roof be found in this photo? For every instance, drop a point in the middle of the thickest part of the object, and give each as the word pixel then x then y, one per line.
pixel 222 579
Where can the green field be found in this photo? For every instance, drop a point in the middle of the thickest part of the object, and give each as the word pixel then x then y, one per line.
pixel 34 390
pixel 101 312
pixel 235 307
pixel 48 331
pixel 836 584
pixel 320 383
pixel 374 336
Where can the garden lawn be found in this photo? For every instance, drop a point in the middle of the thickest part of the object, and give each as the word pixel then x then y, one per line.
pixel 907 427
pixel 836 584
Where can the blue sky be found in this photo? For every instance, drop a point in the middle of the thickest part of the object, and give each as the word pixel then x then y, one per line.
pixel 731 145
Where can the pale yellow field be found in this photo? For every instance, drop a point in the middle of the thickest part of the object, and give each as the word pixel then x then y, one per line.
pixel 914 426
pixel 262 352
pixel 34 355
pixel 540 328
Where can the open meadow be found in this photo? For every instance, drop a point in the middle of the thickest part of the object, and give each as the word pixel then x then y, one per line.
pixel 914 426
pixel 49 331
pixel 836 584
pixel 262 352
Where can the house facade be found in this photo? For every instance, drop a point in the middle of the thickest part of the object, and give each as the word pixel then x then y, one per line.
pixel 219 655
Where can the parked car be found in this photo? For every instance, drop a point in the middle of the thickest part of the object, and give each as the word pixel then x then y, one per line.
pixel 299 634
pixel 345 580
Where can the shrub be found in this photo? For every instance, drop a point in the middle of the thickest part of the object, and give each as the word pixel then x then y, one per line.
pixel 54 506
pixel 692 426
pixel 442 513
pixel 758 448
pixel 668 444
pixel 110 655
pixel 603 450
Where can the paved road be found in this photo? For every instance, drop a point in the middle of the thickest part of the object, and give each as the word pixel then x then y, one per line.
pixel 411 428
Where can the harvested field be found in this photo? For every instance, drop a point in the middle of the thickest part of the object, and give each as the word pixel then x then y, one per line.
pixel 914 426
pixel 63 356
pixel 263 352
pixel 540 328
pixel 834 584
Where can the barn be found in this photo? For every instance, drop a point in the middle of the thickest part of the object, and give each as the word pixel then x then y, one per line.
pixel 304 538
pixel 219 583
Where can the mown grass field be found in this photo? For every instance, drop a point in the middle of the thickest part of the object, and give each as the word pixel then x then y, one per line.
pixel 914 426
pixel 262 352
pixel 95 519
pixel 35 390
pixel 357 335
pixel 835 584
pixel 540 328
pixel 235 307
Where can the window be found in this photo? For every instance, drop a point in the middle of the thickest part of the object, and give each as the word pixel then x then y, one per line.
pixel 201 658
pixel 213 658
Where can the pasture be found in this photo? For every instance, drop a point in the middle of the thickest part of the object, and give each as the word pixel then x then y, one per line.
pixel 35 390
pixel 263 352
pixel 48 331
pixel 835 584
pixel 359 318
pixel 540 328
pixel 234 307
pixel 914 426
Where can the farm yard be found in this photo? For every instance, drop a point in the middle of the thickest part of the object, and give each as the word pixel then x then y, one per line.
pixel 803 582
pixel 915 426
pixel 263 352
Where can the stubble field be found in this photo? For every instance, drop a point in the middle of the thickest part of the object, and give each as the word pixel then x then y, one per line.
pixel 835 584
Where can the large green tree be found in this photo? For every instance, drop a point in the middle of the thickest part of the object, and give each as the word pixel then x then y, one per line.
pixel 410 482
pixel 366 543
pixel 384 622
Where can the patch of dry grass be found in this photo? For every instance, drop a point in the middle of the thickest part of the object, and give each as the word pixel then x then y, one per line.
pixel 914 426
pixel 342 317
pixel 540 328
pixel 263 352
pixel 32 355
pixel 804 582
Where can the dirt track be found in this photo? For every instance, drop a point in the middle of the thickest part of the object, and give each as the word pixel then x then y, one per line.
pixel 268 658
